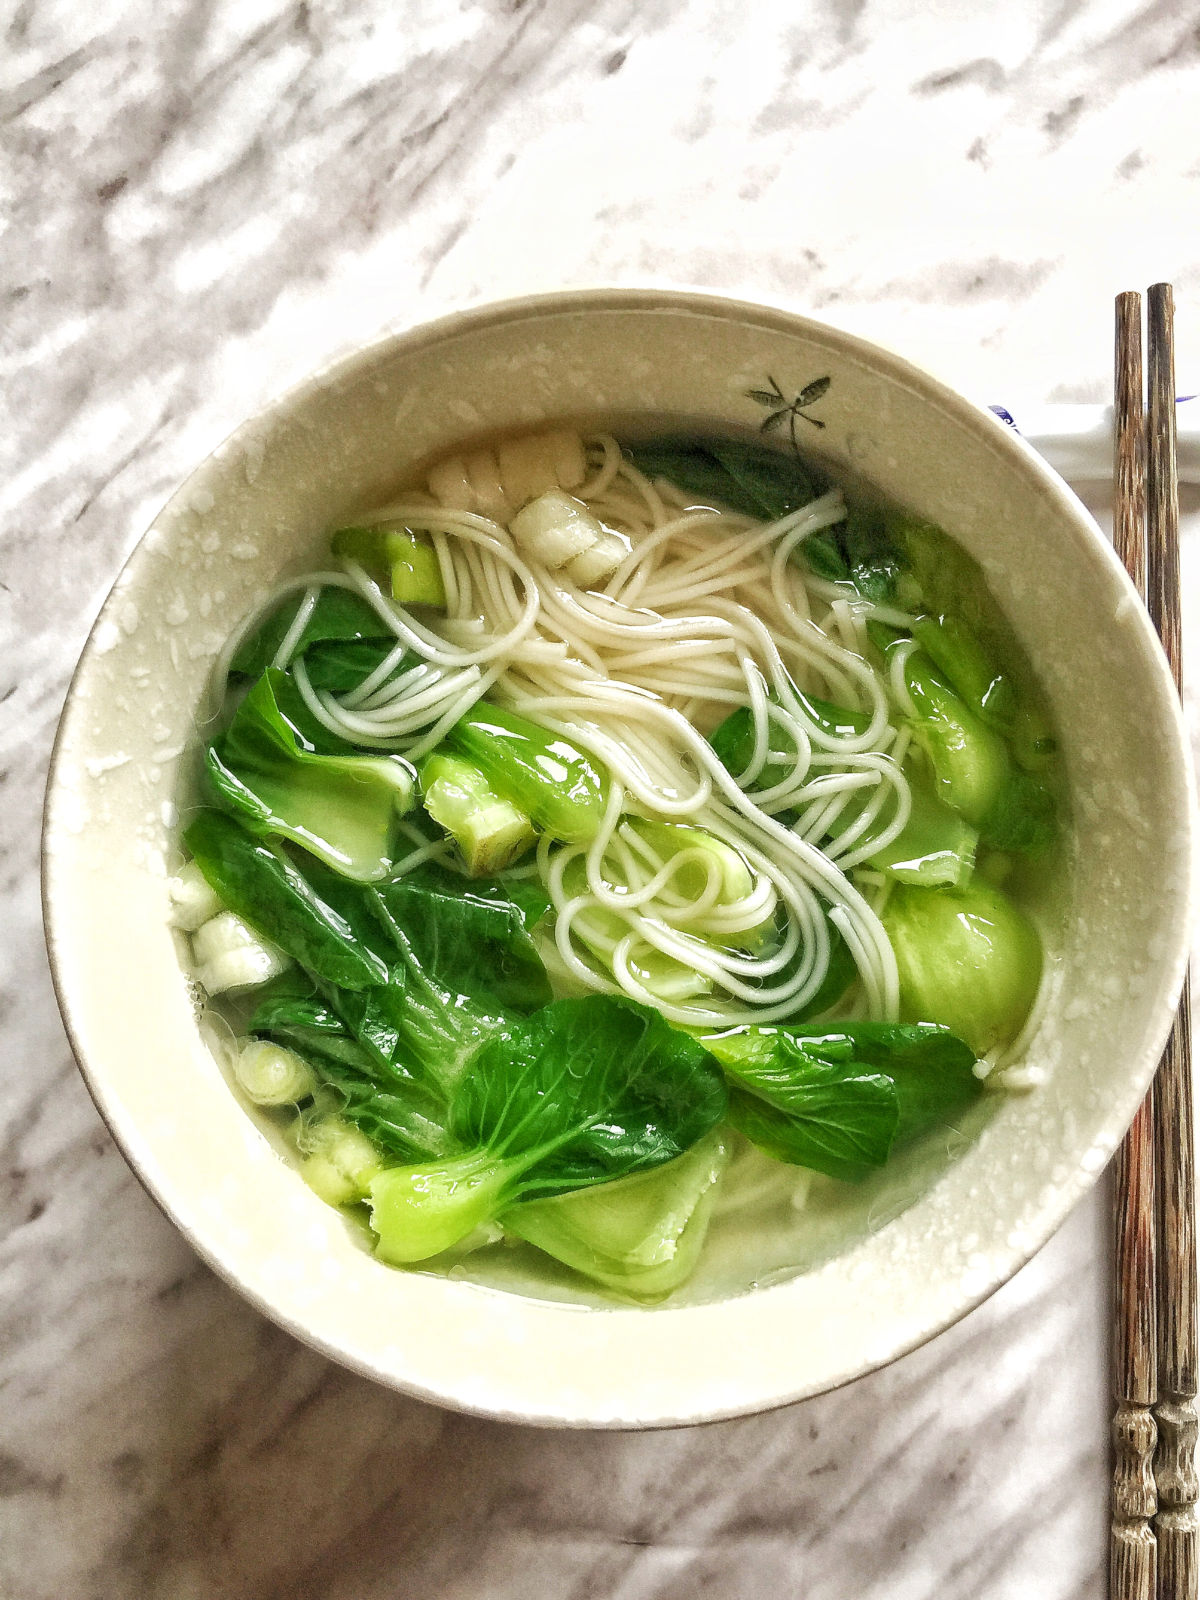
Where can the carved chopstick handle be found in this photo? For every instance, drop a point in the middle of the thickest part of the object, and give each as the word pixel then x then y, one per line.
pixel 1175 1476
pixel 1133 1547
pixel 1175 1459
pixel 1132 1541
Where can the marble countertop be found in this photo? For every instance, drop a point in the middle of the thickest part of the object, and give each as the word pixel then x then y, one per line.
pixel 203 199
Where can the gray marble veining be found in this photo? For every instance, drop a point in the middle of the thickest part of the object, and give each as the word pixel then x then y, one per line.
pixel 204 199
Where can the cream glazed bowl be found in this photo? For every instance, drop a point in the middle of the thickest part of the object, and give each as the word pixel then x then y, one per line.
pixel 799 1302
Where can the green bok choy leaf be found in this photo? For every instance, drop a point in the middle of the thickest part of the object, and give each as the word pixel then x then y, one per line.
pixel 751 478
pixel 339 614
pixel 267 890
pixel 410 559
pixel 967 957
pixel 972 766
pixel 542 774
pixel 837 1098
pixel 581 1092
pixel 639 1235
pixel 343 808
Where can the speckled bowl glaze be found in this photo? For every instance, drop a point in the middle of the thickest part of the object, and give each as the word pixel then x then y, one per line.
pixel 757 1330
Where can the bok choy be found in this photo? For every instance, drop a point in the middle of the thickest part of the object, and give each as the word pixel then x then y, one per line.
pixel 838 1098
pixel 540 773
pixel 640 1235
pixel 342 807
pixel 581 1092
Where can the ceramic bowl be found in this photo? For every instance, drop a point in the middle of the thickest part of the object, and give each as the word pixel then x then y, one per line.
pixel 807 1302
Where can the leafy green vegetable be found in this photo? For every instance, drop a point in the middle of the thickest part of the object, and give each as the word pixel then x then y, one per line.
pixel 639 1235
pixel 491 833
pixel 775 481
pixel 867 551
pixel 840 1125
pixel 751 478
pixel 343 808
pixel 933 1070
pixel 600 1086
pixel 292 1011
pixel 527 894
pixel 355 1017
pixel 969 638
pixel 431 1022
pixel 308 730
pixel 843 1094
pixel 380 1089
pixel 875 562
pixel 733 739
pixel 441 964
pixel 825 557
pixel 1022 818
pixel 966 664
pixel 472 937
pixel 376 1017
pixel 269 891
pixel 970 763
pixel 340 665
pixel 693 468
pixel 907 1052
pixel 453 966
pixel 582 1091
pixel 338 614
pixel 814 1114
pixel 943 579
pixel 967 957
pixel 934 846
pixel 409 558
pixel 407 1125
pixel 420 1211
pixel 540 773
pixel 818 1109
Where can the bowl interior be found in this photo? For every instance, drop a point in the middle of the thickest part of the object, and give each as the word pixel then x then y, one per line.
pixel 821 1295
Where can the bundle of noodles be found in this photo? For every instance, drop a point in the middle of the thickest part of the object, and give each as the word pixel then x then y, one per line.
pixel 702 610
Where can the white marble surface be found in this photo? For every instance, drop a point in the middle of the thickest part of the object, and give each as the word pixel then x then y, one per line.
pixel 205 198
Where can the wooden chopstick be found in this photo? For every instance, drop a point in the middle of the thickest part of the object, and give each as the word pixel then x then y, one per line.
pixel 1174 1164
pixel 1132 1543
pixel 1154 1544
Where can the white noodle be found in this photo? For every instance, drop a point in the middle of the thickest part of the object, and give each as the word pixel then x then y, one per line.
pixel 304 611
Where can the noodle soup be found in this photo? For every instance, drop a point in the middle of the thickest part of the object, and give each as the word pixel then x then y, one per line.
pixel 613 843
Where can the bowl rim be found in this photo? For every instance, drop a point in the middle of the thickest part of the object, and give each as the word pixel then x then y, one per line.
pixel 993 433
